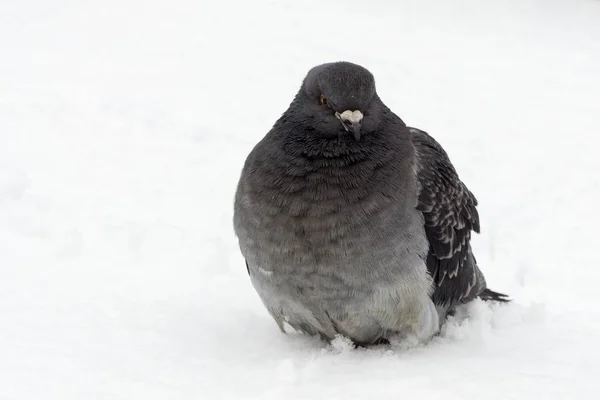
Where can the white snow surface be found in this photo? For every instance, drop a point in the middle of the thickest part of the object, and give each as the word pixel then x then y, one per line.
pixel 123 128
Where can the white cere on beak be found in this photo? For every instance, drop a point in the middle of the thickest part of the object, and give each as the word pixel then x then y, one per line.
pixel 351 121
pixel 350 116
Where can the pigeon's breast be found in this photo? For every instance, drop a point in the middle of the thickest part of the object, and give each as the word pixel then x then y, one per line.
pixel 334 219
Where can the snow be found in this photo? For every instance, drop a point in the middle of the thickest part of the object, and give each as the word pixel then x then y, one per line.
pixel 123 128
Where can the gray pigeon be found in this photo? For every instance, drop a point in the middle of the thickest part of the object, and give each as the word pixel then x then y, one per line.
pixel 352 223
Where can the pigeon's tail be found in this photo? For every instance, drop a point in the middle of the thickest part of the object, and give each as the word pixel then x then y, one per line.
pixel 486 294
pixel 490 295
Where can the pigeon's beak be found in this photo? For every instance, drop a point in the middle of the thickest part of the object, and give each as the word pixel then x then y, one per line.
pixel 351 121
pixel 355 128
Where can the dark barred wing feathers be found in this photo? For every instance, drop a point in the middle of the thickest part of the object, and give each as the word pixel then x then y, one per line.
pixel 450 213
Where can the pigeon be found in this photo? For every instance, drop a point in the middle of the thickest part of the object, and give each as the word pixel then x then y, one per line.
pixel 352 223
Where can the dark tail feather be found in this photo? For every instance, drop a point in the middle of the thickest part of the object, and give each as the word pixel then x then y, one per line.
pixel 490 295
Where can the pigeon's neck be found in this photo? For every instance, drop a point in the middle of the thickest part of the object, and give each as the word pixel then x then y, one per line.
pixel 342 160
pixel 341 149
pixel 324 151
pixel 303 165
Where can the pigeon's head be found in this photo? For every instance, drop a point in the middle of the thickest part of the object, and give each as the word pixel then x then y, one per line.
pixel 338 98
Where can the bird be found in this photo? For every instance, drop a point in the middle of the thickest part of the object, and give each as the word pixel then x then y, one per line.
pixel 352 223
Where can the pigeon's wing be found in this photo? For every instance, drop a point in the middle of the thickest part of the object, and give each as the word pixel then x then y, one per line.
pixel 450 214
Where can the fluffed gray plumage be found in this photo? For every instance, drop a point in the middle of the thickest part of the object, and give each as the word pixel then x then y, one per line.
pixel 351 222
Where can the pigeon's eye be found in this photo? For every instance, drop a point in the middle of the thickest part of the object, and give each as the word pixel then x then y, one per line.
pixel 323 101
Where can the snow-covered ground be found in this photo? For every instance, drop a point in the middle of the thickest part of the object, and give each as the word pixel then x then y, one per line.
pixel 123 128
